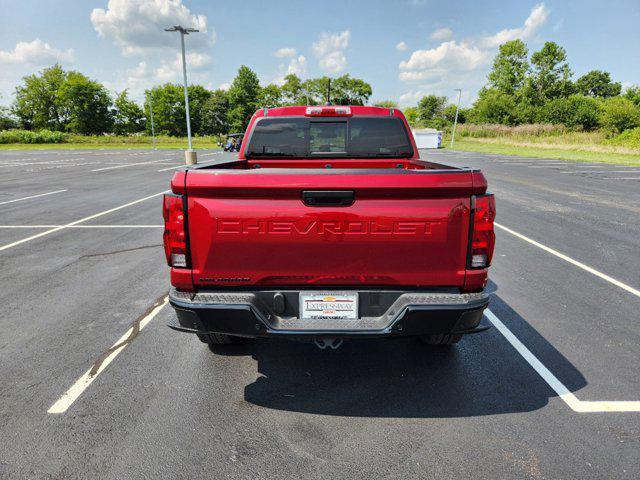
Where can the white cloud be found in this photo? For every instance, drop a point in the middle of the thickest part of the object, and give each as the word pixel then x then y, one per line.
pixel 449 55
pixel 195 60
pixel 144 76
pixel 401 46
pixel 285 52
pixel 411 97
pixel 36 53
pixel 422 74
pixel 330 49
pixel 137 78
pixel 225 86
pixel 165 73
pixel 138 26
pixel 139 71
pixel 171 71
pixel 441 34
pixel 532 24
pixel 441 87
pixel 297 66
pixel 461 63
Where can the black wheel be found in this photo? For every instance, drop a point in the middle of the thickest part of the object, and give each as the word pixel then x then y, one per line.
pixel 442 339
pixel 212 339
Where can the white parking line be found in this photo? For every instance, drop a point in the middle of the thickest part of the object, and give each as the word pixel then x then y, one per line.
pixel 82 220
pixel 210 162
pixel 32 196
pixel 563 392
pixel 622 178
pixel 519 162
pixel 587 165
pixel 81 226
pixel 72 394
pixel 551 165
pixel 578 264
pixel 212 153
pixel 605 171
pixel 128 165
pixel 27 164
pixel 173 168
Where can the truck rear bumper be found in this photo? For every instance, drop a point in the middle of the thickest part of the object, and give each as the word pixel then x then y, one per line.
pixel 382 312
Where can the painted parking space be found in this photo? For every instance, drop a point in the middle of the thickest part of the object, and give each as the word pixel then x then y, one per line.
pixel 93 253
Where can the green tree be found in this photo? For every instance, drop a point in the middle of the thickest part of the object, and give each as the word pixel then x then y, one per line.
pixel 597 83
pixel 128 117
pixel 430 108
pixel 551 76
pixel 385 104
pixel 316 90
pixel 450 114
pixel 37 104
pixel 169 110
pixel 86 103
pixel 7 120
pixel 510 67
pixel 243 98
pixel 270 96
pixel 198 96
pixel 346 90
pixel 412 115
pixel 633 94
pixel 292 92
pixel 619 114
pixel 493 106
pixel 576 112
pixel 214 114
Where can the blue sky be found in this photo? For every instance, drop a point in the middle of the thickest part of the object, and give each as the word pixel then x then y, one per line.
pixel 405 49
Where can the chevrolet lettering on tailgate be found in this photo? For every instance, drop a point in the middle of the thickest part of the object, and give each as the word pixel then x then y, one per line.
pixel 299 227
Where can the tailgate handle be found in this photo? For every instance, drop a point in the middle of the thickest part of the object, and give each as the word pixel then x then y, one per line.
pixel 328 198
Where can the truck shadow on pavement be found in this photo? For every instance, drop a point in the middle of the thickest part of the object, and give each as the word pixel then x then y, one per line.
pixel 482 375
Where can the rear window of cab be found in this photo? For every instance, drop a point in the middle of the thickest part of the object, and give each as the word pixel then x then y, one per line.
pixel 353 137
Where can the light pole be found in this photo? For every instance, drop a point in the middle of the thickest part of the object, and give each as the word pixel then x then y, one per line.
pixel 455 121
pixel 153 130
pixel 190 155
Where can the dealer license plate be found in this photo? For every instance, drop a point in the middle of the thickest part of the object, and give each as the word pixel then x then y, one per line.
pixel 328 305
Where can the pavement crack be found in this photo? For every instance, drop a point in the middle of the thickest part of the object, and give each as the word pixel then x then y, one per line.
pixel 102 254
pixel 133 333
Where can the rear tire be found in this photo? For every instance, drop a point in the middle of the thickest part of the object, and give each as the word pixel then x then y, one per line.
pixel 214 339
pixel 442 339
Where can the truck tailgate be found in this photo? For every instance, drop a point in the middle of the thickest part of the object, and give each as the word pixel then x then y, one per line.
pixel 404 227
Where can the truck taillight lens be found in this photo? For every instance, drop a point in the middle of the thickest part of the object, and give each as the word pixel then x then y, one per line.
pixel 175 237
pixel 483 238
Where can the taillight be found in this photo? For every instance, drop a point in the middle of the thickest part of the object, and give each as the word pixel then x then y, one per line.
pixel 483 238
pixel 175 237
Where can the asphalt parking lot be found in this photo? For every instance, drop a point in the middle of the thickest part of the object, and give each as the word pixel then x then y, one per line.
pixel 94 385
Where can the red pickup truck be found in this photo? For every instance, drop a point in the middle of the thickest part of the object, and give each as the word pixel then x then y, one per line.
pixel 328 226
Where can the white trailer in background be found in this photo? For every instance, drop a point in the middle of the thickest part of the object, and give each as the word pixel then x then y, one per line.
pixel 428 137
